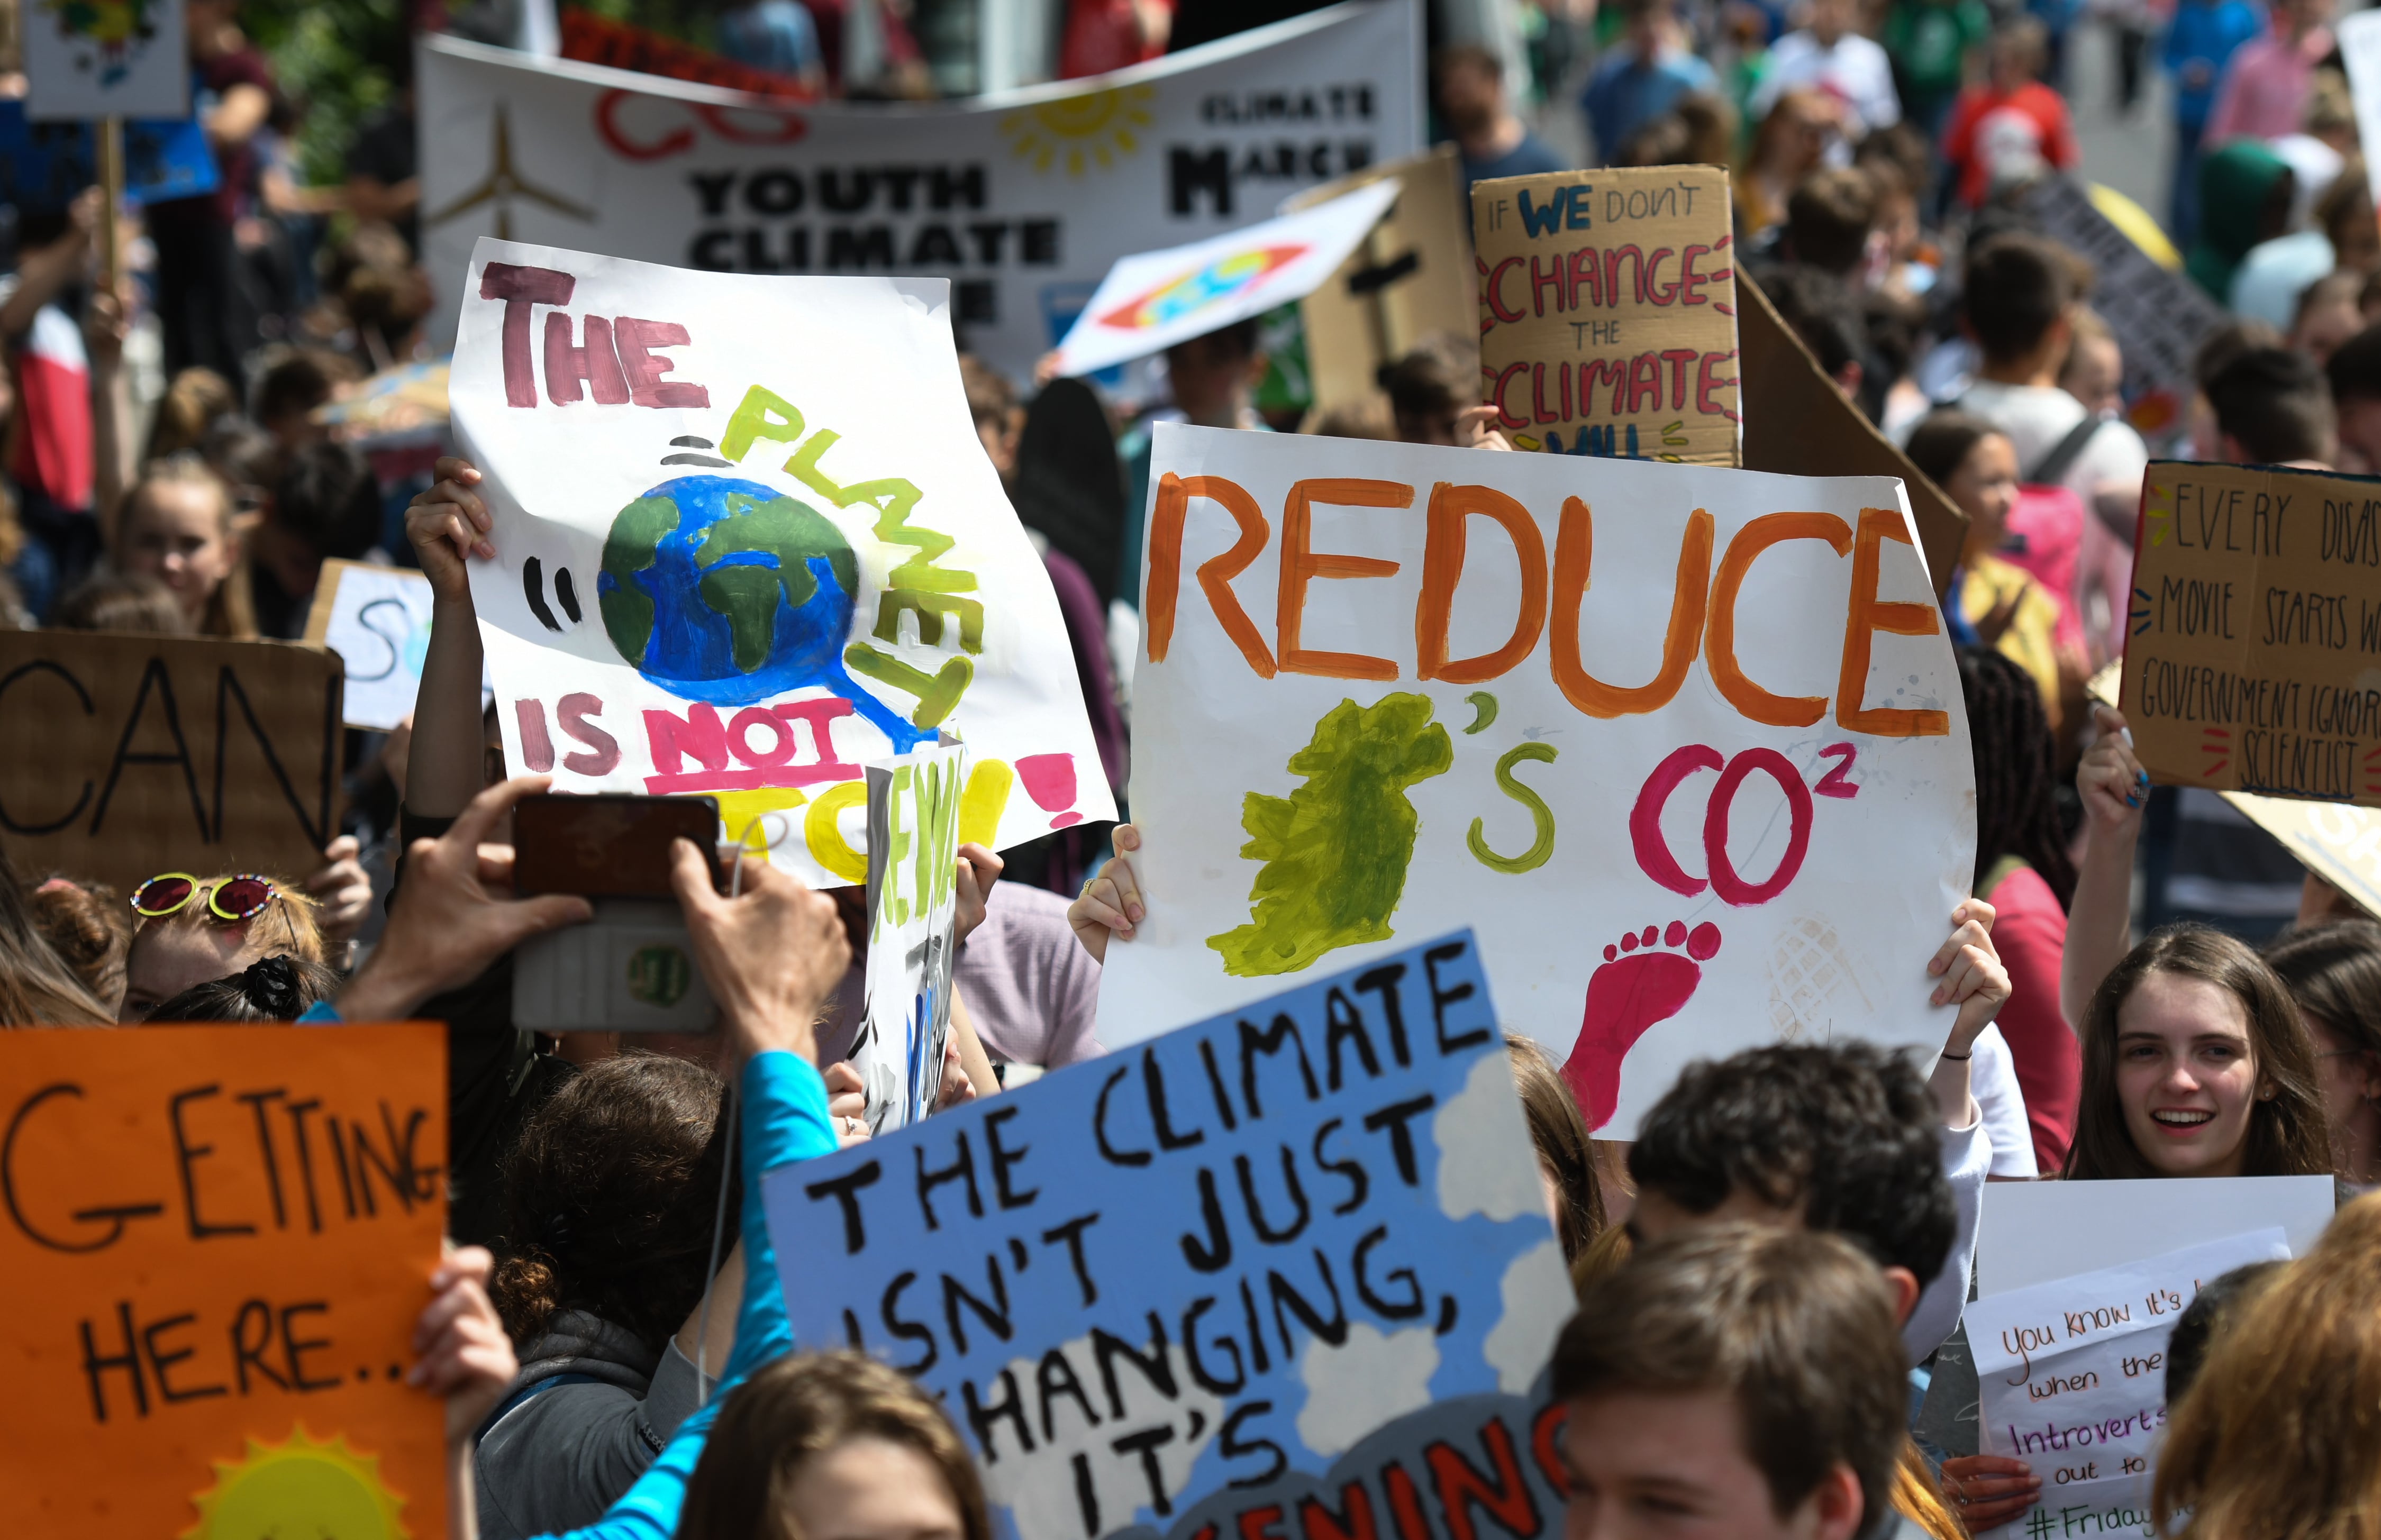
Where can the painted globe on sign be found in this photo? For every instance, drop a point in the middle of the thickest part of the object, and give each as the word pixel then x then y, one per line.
pixel 726 591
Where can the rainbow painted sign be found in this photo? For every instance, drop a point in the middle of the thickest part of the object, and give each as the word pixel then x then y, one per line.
pixel 1149 302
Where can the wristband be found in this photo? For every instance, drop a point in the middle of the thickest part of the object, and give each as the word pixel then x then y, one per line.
pixel 1962 1057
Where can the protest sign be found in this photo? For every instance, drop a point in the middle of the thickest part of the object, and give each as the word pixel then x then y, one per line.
pixel 2256 614
pixel 2030 1233
pixel 1022 199
pixel 1276 1272
pixel 1408 281
pixel 1714 796
pixel 2161 316
pixel 592 39
pixel 2072 1380
pixel 1153 299
pixel 731 560
pixel 377 619
pixel 1805 427
pixel 1587 345
pixel 2358 37
pixel 43 166
pixel 2337 842
pixel 217 1242
pixel 913 836
pixel 124 59
pixel 162 753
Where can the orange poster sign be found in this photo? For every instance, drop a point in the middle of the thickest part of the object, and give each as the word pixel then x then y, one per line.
pixel 214 1246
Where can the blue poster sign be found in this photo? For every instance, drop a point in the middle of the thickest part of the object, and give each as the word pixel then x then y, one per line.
pixel 1287 1271
pixel 43 166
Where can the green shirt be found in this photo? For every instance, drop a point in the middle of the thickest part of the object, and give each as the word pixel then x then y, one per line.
pixel 1929 42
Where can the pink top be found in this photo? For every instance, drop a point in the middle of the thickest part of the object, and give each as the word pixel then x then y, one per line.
pixel 2264 94
pixel 2030 933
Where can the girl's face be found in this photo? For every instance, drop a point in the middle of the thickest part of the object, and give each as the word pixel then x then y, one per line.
pixel 179 533
pixel 1986 486
pixel 2186 1075
pixel 2324 328
pixel 166 959
pixel 872 1488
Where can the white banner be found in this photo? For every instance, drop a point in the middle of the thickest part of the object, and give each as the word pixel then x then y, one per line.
pixel 91 61
pixel 1023 201
pixel 1722 796
pixel 747 541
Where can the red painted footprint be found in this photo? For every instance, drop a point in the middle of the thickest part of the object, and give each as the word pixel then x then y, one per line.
pixel 1637 986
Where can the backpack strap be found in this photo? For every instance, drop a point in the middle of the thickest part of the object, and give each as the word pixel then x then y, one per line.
pixel 2053 467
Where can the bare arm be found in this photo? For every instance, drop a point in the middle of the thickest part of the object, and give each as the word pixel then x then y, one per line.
pixel 1974 979
pixel 44 272
pixel 2100 921
pixel 237 115
pixel 112 461
pixel 448 526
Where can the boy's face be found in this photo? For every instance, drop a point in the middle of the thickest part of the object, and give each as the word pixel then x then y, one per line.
pixel 1673 1467
pixel 1830 20
pixel 1208 376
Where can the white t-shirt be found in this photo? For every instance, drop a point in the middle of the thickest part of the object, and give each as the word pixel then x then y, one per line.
pixel 1967 1155
pixel 1854 70
pixel 1992 1080
pixel 2036 417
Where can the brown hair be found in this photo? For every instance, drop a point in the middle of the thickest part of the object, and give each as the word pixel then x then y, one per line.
pixel 274 988
pixel 191 405
pixel 1559 1134
pixel 2018 287
pixel 121 602
pixel 990 398
pixel 2280 1436
pixel 1828 218
pixel 88 926
pixel 1796 1327
pixel 37 988
pixel 231 612
pixel 2334 973
pixel 806 1405
pixel 1942 441
pixel 609 1199
pixel 2287 1134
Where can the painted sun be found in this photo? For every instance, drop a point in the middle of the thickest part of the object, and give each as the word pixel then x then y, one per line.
pixel 1098 126
pixel 300 1486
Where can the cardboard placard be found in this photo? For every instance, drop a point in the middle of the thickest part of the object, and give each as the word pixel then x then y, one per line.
pixel 124 756
pixel 216 1244
pixel 2032 1232
pixel 1409 280
pixel 733 560
pixel 2071 1379
pixel 2253 633
pixel 1693 735
pixel 91 61
pixel 913 840
pixel 377 619
pixel 1804 427
pixel 2159 316
pixel 1608 313
pixel 1288 1261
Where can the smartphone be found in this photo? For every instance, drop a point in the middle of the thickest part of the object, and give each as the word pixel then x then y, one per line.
pixel 609 846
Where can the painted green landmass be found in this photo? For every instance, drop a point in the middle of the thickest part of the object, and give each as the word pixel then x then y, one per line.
pixel 1336 849
pixel 747 596
pixel 634 545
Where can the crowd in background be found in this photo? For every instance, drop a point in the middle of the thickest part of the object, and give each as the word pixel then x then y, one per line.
pixel 185 451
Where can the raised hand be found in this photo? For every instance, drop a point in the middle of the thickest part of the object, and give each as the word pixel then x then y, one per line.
pixel 465 1355
pixel 771 955
pixel 2113 785
pixel 1972 974
pixel 341 889
pixel 1110 903
pixel 979 869
pixel 448 524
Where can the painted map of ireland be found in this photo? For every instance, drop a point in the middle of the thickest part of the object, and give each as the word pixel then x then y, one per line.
pixel 1335 849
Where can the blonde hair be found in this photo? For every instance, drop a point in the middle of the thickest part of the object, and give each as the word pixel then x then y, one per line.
pixel 300 933
pixel 2279 1438
pixel 231 610
pixel 189 406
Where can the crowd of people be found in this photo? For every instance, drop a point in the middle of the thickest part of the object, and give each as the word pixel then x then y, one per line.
pixel 1768 1271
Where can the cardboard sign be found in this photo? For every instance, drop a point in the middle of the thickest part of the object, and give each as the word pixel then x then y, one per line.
pixel 1021 199
pixel 2161 317
pixel 913 840
pixel 2337 842
pixel 2255 621
pixel 591 39
pixel 1288 1272
pixel 1408 280
pixel 124 59
pixel 1608 313
pixel 377 619
pixel 124 756
pixel 747 542
pixel 1693 737
pixel 2072 1380
pixel 1803 426
pixel 216 1244
pixel 2030 1233
pixel 1153 299
pixel 2358 37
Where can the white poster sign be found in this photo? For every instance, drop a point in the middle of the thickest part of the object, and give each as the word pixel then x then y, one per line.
pixel 747 541
pixel 1149 302
pixel 1685 745
pixel 2029 1233
pixel 87 60
pixel 1022 199
pixel 377 619
pixel 2071 1376
pixel 913 821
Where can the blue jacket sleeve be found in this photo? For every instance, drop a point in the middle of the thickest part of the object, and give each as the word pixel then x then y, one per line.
pixel 785 1120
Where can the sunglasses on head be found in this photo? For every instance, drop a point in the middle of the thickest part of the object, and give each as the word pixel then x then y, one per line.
pixel 230 902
